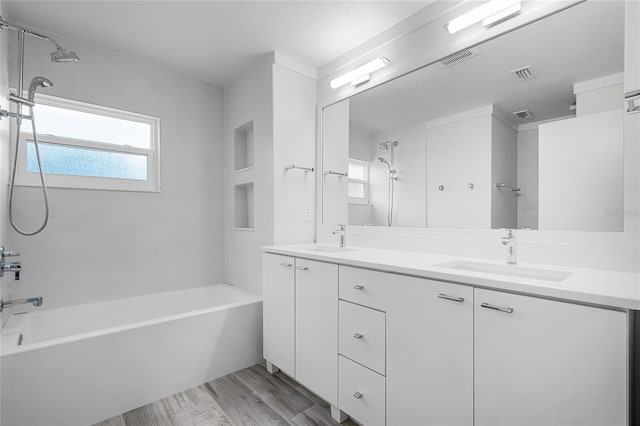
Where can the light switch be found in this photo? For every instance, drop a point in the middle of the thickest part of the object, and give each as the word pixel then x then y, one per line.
pixel 307 214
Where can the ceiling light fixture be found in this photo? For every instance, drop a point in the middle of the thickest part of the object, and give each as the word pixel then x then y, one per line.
pixel 490 13
pixel 361 74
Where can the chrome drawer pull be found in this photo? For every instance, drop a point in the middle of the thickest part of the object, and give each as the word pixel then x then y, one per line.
pixel 302 268
pixel 358 287
pixel 286 265
pixel 357 395
pixel 497 308
pixel 357 335
pixel 453 298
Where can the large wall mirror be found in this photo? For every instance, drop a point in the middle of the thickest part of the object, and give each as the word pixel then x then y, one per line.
pixel 522 131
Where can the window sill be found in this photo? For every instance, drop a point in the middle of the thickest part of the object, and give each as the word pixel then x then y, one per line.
pixel 85 187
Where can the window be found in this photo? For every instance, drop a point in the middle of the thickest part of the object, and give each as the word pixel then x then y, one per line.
pixel 90 146
pixel 358 176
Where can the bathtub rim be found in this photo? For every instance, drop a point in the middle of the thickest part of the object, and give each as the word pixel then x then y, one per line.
pixel 9 336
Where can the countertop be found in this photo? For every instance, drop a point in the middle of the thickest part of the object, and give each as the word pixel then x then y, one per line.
pixel 593 286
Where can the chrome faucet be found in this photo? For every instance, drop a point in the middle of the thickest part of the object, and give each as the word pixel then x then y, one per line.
pixel 37 301
pixel 15 267
pixel 343 234
pixel 510 241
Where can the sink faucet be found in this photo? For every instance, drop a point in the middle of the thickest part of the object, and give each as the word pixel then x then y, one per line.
pixel 510 241
pixel 343 234
pixel 37 301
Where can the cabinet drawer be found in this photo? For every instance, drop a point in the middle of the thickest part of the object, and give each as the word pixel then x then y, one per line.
pixel 362 335
pixel 363 286
pixel 361 393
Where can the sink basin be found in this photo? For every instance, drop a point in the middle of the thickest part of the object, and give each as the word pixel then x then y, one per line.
pixel 509 270
pixel 330 249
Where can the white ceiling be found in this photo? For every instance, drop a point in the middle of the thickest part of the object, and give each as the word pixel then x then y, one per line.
pixel 583 42
pixel 216 40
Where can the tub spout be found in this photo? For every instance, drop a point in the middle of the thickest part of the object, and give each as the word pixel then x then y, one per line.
pixel 36 301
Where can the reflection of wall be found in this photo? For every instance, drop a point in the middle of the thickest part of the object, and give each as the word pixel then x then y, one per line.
pixel 471 148
pixel 590 196
pixel 4 147
pixel 409 160
pixel 360 148
pixel 503 170
pixel 335 150
pixel 528 179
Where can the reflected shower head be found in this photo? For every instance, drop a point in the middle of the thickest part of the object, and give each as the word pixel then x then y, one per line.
pixel 384 146
pixel 38 82
pixel 385 162
pixel 63 55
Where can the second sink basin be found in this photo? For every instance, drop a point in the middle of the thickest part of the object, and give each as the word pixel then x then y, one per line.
pixel 510 270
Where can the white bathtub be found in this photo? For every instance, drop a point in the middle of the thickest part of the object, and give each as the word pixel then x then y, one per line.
pixel 82 364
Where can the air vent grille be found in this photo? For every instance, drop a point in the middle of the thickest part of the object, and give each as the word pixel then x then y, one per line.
pixel 523 73
pixel 460 56
pixel 523 114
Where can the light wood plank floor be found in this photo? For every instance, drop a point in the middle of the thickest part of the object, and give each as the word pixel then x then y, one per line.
pixel 247 397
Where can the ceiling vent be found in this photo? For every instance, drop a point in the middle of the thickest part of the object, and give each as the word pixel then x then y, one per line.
pixel 523 73
pixel 460 56
pixel 523 114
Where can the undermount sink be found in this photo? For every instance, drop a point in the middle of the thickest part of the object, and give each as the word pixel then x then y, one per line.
pixel 510 270
pixel 330 249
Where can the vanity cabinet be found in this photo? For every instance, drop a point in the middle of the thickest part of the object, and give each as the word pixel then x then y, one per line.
pixel 300 321
pixel 542 362
pixel 278 311
pixel 429 352
pixel 316 327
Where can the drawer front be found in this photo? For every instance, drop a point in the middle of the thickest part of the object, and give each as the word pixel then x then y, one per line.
pixel 361 393
pixel 363 286
pixel 362 335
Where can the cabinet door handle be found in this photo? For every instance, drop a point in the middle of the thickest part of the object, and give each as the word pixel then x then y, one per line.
pixel 497 308
pixel 358 287
pixel 452 298
pixel 302 268
pixel 357 395
pixel 286 265
pixel 357 335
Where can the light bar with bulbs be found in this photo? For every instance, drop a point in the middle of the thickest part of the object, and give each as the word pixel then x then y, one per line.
pixel 490 13
pixel 361 74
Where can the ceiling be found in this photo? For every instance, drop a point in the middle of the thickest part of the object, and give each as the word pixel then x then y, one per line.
pixel 215 41
pixel 583 42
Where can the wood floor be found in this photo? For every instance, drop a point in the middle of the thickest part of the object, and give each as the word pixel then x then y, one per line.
pixel 247 397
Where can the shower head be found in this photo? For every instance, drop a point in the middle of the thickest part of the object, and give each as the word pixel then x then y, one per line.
pixel 38 82
pixel 385 162
pixel 63 55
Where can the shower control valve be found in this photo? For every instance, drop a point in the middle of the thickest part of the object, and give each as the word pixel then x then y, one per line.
pixel 8 253
pixel 15 267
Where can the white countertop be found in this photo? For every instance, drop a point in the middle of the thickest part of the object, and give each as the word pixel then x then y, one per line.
pixel 593 286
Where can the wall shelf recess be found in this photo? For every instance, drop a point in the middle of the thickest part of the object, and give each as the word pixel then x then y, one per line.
pixel 243 211
pixel 243 147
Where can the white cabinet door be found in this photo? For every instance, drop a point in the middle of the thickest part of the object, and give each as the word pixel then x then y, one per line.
pixel 429 353
pixel 278 299
pixel 317 328
pixel 541 362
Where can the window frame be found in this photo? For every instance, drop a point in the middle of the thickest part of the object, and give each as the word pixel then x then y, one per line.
pixel 60 180
pixel 357 200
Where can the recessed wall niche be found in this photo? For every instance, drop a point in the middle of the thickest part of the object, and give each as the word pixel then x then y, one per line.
pixel 243 212
pixel 243 147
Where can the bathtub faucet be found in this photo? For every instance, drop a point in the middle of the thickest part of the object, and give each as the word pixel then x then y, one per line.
pixel 37 301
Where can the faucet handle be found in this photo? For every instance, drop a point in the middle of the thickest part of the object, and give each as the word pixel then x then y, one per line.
pixel 8 253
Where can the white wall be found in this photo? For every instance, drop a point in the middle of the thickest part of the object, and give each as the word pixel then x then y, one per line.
pixel 4 148
pixel 503 170
pixel 528 179
pixel 110 244
pixel 294 136
pixel 459 153
pixel 335 152
pixel 250 98
pixel 361 147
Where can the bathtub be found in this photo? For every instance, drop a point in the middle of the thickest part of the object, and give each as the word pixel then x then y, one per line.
pixel 82 364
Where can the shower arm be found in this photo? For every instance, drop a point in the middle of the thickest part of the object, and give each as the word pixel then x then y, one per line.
pixel 5 24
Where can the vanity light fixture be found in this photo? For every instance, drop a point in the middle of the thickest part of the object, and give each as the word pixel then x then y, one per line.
pixel 490 13
pixel 361 74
